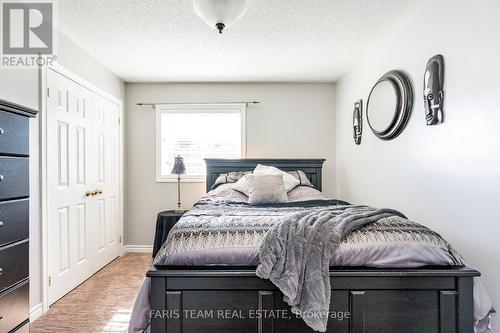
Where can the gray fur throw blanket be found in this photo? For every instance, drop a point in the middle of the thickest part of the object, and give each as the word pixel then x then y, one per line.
pixel 295 255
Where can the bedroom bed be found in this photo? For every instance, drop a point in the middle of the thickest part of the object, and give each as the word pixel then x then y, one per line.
pixel 186 296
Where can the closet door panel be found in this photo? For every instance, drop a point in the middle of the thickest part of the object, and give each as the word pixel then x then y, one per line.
pixel 69 210
pixel 106 138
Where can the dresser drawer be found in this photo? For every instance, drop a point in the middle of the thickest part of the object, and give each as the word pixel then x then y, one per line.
pixel 14 131
pixel 14 177
pixel 14 221
pixel 14 307
pixel 14 263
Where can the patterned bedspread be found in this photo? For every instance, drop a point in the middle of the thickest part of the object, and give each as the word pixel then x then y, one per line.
pixel 218 232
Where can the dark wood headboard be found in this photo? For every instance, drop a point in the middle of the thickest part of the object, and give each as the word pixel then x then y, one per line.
pixel 311 167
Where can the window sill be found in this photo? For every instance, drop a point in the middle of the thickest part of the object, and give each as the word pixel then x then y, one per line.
pixel 184 179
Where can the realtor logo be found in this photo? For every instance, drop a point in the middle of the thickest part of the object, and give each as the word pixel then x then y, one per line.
pixel 27 28
pixel 28 33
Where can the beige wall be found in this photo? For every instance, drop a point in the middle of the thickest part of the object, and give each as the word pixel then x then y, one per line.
pixel 446 177
pixel 72 57
pixel 292 120
pixel 23 87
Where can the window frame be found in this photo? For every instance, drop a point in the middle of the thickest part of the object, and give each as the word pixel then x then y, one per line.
pixel 160 109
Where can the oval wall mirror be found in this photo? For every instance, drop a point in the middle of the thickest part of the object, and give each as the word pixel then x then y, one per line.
pixel 389 105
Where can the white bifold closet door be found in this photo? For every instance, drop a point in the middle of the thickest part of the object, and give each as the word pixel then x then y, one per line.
pixel 83 189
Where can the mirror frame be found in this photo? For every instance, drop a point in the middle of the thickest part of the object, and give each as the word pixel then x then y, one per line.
pixel 403 107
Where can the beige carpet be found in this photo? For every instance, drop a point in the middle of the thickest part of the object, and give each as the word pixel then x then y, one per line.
pixel 103 303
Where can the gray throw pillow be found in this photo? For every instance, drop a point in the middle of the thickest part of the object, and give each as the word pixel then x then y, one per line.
pixel 302 177
pixel 266 189
pixel 228 178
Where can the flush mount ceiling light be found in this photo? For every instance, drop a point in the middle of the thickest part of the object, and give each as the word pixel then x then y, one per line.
pixel 220 14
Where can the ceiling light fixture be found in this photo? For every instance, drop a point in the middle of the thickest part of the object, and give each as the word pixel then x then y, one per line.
pixel 220 14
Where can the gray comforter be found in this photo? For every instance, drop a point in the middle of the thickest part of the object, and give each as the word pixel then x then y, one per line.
pixel 295 255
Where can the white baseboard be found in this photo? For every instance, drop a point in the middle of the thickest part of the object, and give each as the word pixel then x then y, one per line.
pixel 138 248
pixel 36 312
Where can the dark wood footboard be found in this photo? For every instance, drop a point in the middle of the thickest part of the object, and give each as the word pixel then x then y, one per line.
pixel 425 300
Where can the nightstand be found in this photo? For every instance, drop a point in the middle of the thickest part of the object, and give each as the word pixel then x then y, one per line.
pixel 164 222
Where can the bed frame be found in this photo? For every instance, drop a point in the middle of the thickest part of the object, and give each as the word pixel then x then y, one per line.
pixel 205 299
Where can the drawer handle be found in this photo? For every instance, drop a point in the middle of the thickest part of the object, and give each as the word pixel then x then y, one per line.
pixel 1 271
pixel 1 224
pixel 1 131
pixel 1 178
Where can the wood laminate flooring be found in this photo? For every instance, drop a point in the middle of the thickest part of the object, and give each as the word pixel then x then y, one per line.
pixel 101 304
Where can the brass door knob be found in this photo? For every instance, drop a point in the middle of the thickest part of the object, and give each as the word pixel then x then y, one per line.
pixel 93 192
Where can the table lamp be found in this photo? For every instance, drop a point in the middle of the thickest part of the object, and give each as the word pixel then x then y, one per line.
pixel 178 169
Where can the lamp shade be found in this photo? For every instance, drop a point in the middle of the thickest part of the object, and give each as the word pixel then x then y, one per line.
pixel 220 14
pixel 179 167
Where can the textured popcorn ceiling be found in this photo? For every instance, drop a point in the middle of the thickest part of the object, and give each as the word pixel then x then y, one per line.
pixel 276 40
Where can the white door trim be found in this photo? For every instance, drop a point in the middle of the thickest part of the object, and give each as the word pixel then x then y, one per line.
pixel 43 162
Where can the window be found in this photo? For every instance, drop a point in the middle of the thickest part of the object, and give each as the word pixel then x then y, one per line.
pixel 195 132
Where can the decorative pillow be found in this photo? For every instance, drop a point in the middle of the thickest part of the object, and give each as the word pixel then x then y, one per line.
pixel 302 177
pixel 242 185
pixel 266 189
pixel 230 177
pixel 289 180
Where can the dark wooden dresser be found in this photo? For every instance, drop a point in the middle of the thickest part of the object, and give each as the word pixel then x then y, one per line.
pixel 14 217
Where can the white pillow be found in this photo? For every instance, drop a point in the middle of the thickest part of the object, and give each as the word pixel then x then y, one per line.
pixel 264 170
